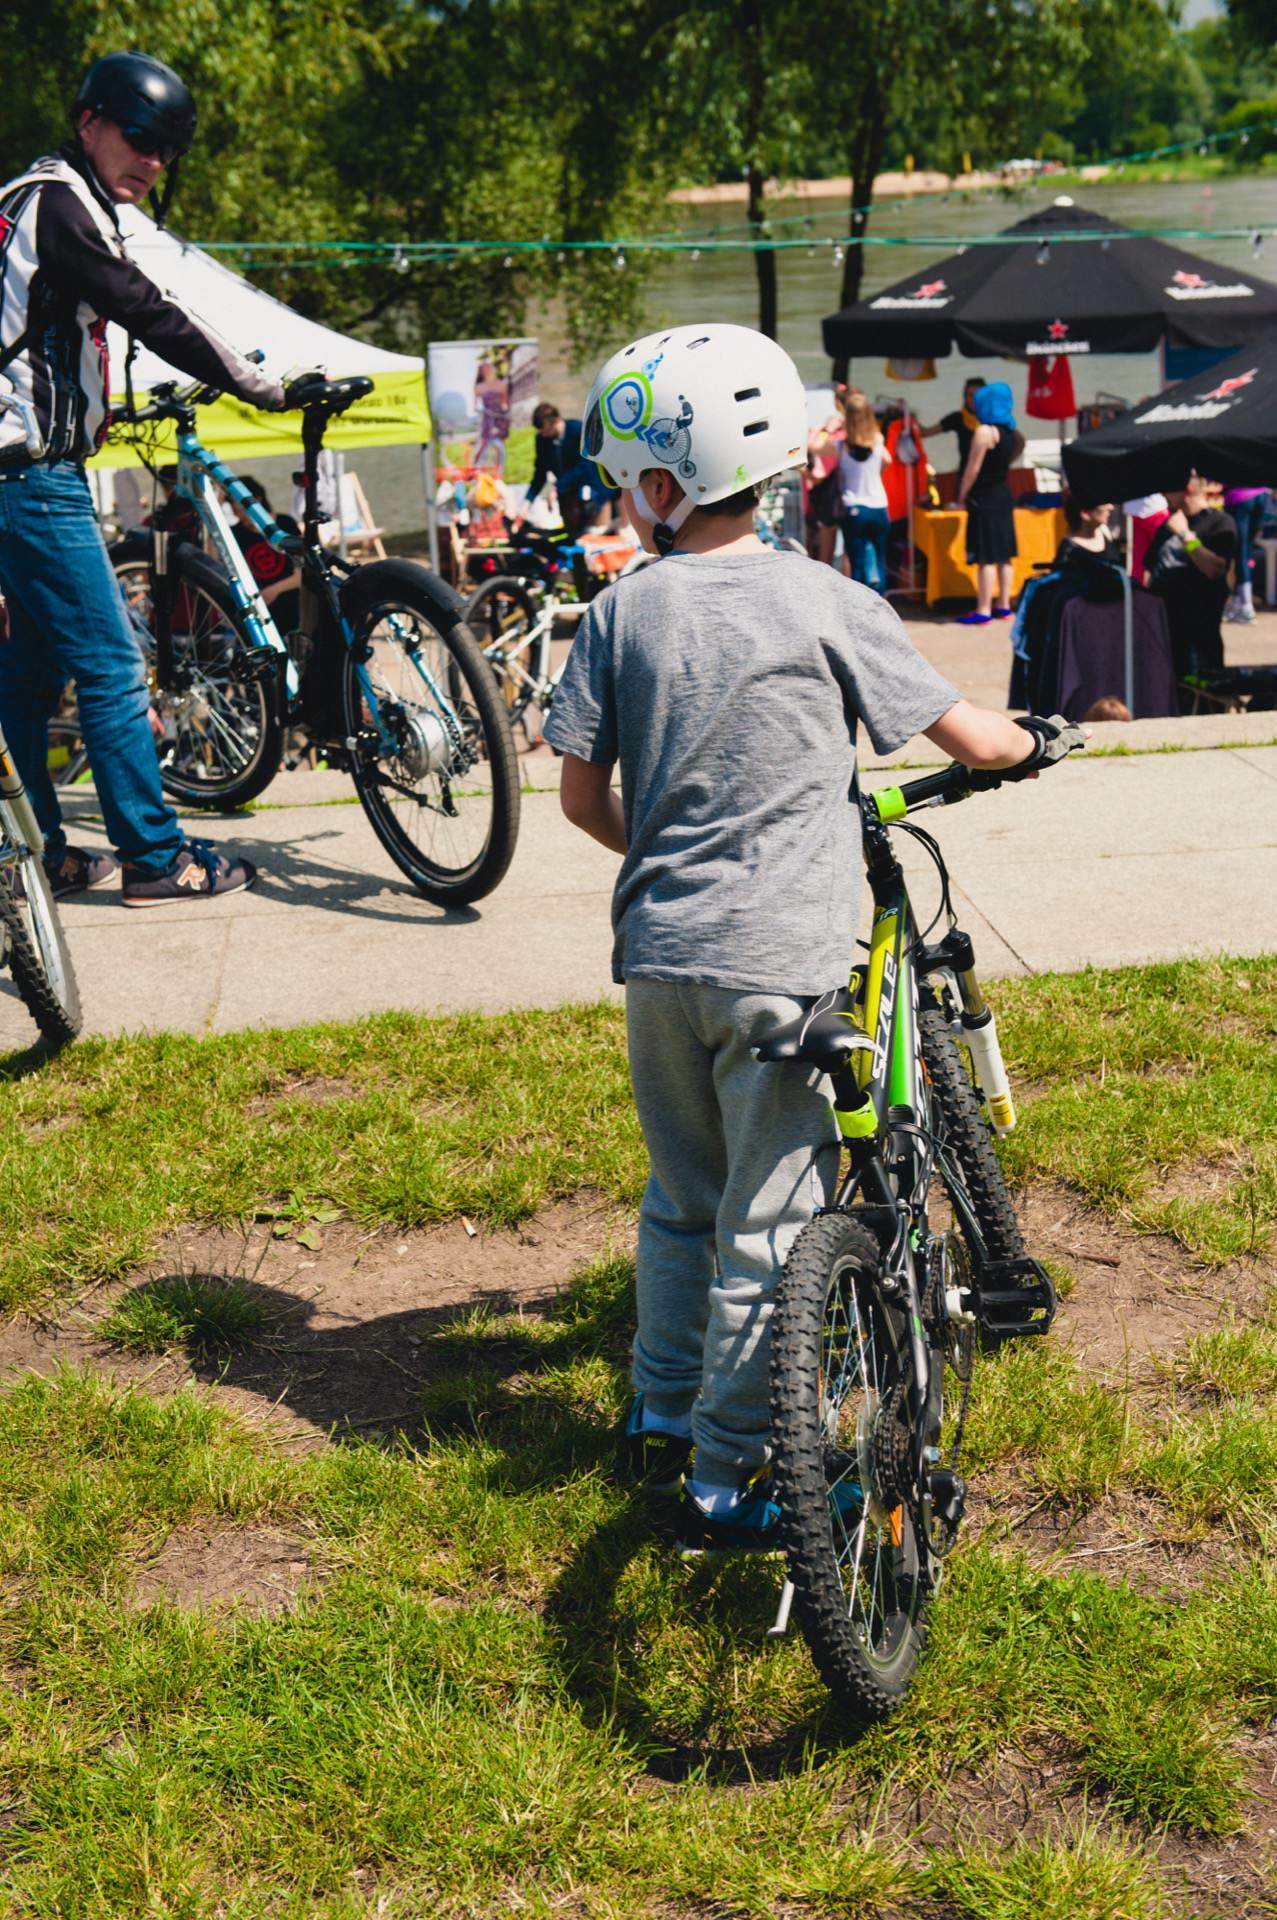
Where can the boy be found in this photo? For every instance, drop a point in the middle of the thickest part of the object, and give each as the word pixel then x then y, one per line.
pixel 728 680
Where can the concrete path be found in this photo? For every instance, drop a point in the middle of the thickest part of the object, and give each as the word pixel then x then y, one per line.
pixel 1114 859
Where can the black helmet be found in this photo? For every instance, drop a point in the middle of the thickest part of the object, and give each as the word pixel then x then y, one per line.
pixel 146 100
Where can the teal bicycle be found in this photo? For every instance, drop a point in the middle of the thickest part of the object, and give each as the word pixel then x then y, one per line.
pixel 381 676
pixel 886 1293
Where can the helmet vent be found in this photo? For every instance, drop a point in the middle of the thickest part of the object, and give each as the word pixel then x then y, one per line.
pixel 702 342
pixel 757 426
pixel 750 393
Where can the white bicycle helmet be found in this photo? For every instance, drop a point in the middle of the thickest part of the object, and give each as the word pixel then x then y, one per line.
pixel 720 407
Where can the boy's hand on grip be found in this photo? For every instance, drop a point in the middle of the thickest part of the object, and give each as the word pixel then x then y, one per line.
pixel 1054 739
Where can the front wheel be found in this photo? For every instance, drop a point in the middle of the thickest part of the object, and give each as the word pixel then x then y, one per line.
pixel 854 1535
pixel 432 753
pixel 37 951
pixel 964 1135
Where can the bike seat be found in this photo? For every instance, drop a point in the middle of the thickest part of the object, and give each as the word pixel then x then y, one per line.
pixel 825 1036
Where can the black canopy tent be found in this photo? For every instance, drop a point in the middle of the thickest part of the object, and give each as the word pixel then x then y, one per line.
pixel 1028 297
pixel 1221 423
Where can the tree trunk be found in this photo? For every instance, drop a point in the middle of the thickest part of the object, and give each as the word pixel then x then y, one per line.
pixel 764 257
pixel 755 62
pixel 865 158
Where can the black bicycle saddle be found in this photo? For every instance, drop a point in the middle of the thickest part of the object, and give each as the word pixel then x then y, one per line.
pixel 825 1036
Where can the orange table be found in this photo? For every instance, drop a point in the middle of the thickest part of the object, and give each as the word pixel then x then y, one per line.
pixel 940 535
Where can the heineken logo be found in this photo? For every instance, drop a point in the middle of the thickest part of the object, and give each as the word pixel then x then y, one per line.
pixel 1218 400
pixel 1057 341
pixel 930 293
pixel 1194 286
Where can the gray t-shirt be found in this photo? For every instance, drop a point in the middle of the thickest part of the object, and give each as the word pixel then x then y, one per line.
pixel 729 687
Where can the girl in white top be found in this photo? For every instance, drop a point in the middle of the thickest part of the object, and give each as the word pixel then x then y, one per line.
pixel 864 495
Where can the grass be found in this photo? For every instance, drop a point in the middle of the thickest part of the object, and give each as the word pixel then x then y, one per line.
pixel 1157 1102
pixel 500 1695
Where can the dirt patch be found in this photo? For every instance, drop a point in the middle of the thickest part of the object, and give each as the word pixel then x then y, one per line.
pixel 1026 1797
pixel 313 1088
pixel 344 1321
pixel 255 1570
pixel 1132 1540
pixel 1138 1296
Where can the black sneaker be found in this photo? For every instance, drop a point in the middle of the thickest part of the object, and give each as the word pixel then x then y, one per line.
pixel 76 870
pixel 198 873
pixel 654 1462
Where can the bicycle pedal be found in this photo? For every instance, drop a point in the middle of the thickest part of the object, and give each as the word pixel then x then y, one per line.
pixel 1013 1298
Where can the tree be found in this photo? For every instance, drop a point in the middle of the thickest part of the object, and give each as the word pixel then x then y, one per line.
pixel 962 76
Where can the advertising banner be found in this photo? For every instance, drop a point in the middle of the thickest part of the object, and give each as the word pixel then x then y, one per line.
pixel 482 393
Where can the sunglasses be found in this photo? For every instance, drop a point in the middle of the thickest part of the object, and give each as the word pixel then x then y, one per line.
pixel 151 145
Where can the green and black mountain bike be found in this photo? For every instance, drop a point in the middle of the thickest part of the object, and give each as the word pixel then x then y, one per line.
pixel 886 1293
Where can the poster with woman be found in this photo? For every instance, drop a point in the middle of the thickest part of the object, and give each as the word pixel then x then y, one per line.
pixel 482 393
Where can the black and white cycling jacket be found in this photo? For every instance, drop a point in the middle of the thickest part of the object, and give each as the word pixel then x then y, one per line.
pixel 63 274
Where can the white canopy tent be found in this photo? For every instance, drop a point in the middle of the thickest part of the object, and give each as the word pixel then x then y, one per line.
pixel 394 413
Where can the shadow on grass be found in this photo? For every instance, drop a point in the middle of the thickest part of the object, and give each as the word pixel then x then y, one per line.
pixel 353 1382
pixel 671 1654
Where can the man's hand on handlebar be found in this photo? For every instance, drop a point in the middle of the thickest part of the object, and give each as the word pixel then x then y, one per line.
pixel 303 385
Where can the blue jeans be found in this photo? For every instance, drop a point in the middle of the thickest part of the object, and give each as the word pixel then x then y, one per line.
pixel 67 621
pixel 1249 516
pixel 864 533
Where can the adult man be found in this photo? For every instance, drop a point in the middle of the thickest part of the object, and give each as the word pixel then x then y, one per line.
pixel 961 421
pixel 582 496
pixel 1187 567
pixel 63 275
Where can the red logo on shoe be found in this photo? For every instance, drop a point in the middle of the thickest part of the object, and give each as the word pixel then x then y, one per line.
pixel 191 876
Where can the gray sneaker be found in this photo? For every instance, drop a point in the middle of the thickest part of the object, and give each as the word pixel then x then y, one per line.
pixel 76 870
pixel 198 873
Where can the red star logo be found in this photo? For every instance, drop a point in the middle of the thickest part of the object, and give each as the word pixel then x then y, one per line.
pixel 1058 329
pixel 1225 387
pixel 1182 279
pixel 925 292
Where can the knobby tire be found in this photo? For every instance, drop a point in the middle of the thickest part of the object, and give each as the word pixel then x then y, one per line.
pixel 965 1132
pixel 56 1013
pixel 836 1251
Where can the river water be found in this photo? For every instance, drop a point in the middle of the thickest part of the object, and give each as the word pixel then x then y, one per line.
pixel 721 286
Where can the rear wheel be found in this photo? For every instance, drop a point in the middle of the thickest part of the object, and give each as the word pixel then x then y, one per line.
pixel 432 754
pixel 222 737
pixel 854 1534
pixel 37 951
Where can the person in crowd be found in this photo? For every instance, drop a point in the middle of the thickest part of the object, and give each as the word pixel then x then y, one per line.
pixel 822 488
pixel 1247 506
pixel 1145 514
pixel 865 519
pixel 735 896
pixel 961 421
pixel 1089 538
pixel 65 273
pixel 583 496
pixel 1187 567
pixel 1108 707
pixel 983 490
pixel 277 574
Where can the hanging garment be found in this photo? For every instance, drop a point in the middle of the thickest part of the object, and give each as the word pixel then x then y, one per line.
pixel 1050 395
pixel 1120 647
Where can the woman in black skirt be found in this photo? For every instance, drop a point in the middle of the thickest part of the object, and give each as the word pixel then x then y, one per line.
pixel 983 491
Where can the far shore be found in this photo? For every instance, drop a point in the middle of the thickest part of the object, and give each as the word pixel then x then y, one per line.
pixel 887 186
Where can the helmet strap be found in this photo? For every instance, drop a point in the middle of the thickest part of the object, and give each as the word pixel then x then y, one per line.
pixel 162 201
pixel 664 532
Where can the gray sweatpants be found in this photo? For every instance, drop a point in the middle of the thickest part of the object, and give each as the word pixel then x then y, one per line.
pixel 741 1157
